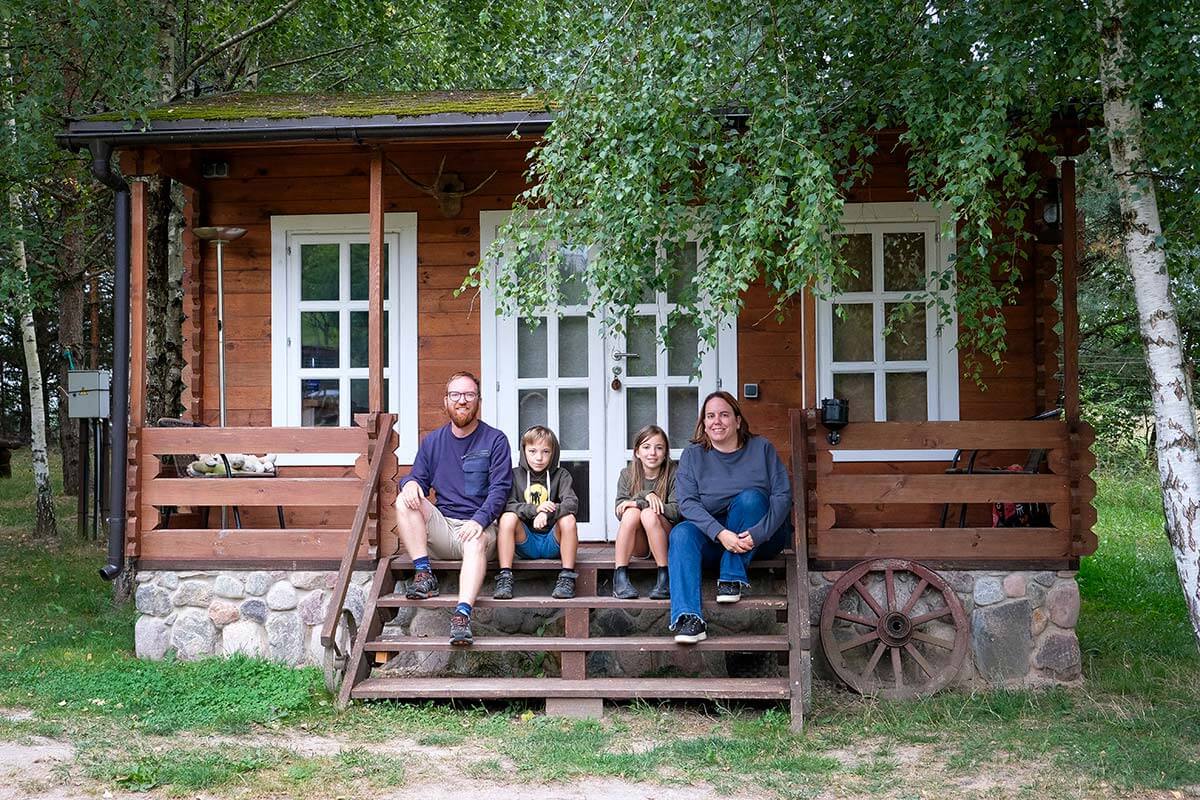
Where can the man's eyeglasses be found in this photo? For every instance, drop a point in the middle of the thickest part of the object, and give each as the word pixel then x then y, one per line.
pixel 470 397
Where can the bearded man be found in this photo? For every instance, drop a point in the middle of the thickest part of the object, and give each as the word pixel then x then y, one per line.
pixel 468 464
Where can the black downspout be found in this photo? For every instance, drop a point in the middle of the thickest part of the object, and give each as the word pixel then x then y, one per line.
pixel 102 170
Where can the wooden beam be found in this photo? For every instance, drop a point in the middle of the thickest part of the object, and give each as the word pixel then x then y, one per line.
pixel 137 303
pixel 1070 295
pixel 999 544
pixel 997 487
pixel 376 276
pixel 161 441
pixel 317 492
pixel 967 435
pixel 244 544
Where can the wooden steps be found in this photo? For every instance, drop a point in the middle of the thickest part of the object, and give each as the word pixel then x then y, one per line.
pixel 559 644
pixel 457 688
pixel 747 603
pixel 590 556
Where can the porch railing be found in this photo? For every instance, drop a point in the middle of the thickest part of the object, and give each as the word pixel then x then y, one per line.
pixel 864 509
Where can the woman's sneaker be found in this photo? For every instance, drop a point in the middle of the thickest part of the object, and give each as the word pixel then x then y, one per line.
pixel 690 629
pixel 728 591
pixel 504 586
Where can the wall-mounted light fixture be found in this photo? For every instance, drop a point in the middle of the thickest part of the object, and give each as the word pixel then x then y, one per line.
pixel 1049 212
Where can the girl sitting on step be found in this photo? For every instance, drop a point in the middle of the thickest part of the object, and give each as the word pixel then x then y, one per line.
pixel 647 509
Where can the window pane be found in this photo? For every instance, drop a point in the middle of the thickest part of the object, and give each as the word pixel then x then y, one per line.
pixel 641 409
pixel 903 262
pixel 683 407
pixel 359 334
pixel 683 343
pixel 360 255
pixel 531 348
pixel 581 479
pixel 319 272
pixel 683 260
pixel 318 339
pixel 853 332
pixel 856 249
pixel 640 338
pixel 531 409
pixel 906 396
pixel 906 342
pixel 573 419
pixel 571 265
pixel 859 389
pixel 359 399
pixel 319 403
pixel 573 347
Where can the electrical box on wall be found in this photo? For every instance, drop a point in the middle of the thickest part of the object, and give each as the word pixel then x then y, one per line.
pixel 750 391
pixel 88 393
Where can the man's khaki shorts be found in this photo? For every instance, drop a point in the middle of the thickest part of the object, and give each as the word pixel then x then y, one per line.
pixel 441 535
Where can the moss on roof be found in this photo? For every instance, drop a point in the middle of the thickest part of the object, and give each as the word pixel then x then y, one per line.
pixel 251 105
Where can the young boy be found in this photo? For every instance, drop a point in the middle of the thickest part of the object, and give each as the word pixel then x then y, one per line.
pixel 539 520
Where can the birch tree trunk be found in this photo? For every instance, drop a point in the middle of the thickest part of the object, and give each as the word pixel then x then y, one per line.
pixel 1170 384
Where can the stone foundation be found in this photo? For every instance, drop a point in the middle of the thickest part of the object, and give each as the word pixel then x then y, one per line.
pixel 1022 625
pixel 275 615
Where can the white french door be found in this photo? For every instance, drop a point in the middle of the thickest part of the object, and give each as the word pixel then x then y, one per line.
pixel 595 391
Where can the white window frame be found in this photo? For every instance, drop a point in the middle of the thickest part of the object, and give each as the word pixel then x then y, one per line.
pixel 400 231
pixel 942 336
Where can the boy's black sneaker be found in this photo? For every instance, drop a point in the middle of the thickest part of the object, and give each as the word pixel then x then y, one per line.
pixel 690 629
pixel 564 587
pixel 423 585
pixel 504 586
pixel 728 591
pixel 460 630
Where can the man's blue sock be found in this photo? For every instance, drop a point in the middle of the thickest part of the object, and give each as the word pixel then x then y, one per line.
pixel 464 609
pixel 421 564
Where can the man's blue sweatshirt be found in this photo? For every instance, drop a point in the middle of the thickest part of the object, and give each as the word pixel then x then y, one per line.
pixel 708 480
pixel 472 475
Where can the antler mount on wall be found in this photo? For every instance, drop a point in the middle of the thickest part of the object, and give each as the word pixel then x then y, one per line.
pixel 447 188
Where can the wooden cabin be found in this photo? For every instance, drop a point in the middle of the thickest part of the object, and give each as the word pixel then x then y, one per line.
pixel 341 325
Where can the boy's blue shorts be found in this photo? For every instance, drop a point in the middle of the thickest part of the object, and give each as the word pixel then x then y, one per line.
pixel 538 544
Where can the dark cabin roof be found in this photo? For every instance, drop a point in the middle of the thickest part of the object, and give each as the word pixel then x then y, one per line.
pixel 249 116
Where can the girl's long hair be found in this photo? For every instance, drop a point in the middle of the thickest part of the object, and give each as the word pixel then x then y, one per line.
pixel 637 471
pixel 700 437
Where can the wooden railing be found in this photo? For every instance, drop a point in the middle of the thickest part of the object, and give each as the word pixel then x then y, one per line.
pixel 858 510
pixel 327 499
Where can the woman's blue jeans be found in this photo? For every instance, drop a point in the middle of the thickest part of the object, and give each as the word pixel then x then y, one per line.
pixel 691 552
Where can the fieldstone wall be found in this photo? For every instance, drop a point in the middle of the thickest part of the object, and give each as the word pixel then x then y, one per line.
pixel 1022 626
pixel 275 615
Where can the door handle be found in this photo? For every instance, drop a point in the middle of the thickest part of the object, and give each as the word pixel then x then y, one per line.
pixel 619 356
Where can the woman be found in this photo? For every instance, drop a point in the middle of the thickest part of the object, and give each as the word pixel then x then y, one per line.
pixel 736 500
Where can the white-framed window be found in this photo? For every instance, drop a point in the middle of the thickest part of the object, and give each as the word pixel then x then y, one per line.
pixel 889 362
pixel 319 331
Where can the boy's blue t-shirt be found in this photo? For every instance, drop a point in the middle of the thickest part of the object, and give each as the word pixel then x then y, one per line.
pixel 472 475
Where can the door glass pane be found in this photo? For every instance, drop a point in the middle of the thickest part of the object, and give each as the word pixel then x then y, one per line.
pixel 906 342
pixel 359 400
pixel 572 263
pixel 359 334
pixel 856 249
pixel 319 272
pixel 859 389
pixel 907 400
pixel 903 262
pixel 531 409
pixel 581 480
pixel 683 343
pixel 573 419
pixel 318 339
pixel 360 255
pixel 641 409
pixel 683 260
pixel 683 408
pixel 531 348
pixel 853 332
pixel 640 338
pixel 573 347
pixel 319 403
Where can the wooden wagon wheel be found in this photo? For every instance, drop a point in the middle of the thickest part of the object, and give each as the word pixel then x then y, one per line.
pixel 893 628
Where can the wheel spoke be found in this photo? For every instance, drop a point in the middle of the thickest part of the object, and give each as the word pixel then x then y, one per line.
pixel 897 669
pixel 936 641
pixel 889 580
pixel 920 659
pixel 932 615
pixel 846 615
pixel 912 598
pixel 858 641
pixel 866 673
pixel 866 596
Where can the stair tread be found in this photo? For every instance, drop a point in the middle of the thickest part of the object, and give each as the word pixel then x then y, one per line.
pixel 610 688
pixel 589 557
pixel 756 602
pixel 757 642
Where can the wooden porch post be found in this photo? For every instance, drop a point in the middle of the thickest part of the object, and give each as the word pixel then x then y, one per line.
pixel 1070 295
pixel 376 272
pixel 137 365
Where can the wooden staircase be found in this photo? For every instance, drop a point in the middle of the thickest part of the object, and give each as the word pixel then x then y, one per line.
pixel 574 693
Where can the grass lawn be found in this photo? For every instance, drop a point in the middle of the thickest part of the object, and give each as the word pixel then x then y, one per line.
pixel 248 728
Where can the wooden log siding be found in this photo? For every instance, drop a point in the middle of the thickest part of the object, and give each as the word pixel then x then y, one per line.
pixel 836 493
